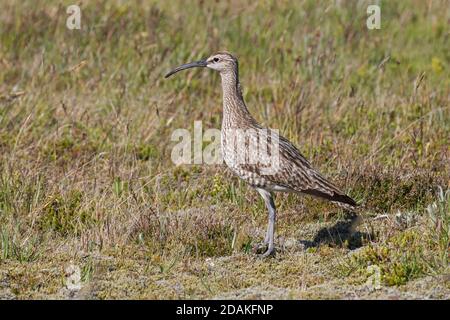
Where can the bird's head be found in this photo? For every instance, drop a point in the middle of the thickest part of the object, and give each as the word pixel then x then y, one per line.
pixel 223 62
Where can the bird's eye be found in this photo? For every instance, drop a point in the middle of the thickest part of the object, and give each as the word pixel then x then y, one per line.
pixel 216 59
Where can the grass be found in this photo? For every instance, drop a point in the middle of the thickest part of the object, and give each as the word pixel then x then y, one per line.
pixel 86 176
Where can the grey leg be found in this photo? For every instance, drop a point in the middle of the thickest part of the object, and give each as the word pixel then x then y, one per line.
pixel 270 233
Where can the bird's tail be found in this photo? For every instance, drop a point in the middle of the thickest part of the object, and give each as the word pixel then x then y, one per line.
pixel 340 199
pixel 351 205
pixel 328 191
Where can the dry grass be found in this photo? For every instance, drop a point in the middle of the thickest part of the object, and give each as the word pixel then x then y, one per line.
pixel 85 170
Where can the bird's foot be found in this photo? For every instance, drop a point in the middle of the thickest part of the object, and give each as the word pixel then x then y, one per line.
pixel 269 253
pixel 260 248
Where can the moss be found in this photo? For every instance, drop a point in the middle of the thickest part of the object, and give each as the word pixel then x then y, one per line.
pixel 400 260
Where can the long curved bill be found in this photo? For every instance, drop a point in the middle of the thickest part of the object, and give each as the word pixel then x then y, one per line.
pixel 195 64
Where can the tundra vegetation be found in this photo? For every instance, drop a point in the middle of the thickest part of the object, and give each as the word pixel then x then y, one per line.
pixel 91 205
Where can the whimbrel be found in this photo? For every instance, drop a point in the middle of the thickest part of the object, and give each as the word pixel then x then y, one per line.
pixel 292 173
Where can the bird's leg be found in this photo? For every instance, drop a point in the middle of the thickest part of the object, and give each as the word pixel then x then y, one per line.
pixel 262 246
pixel 269 238
pixel 270 228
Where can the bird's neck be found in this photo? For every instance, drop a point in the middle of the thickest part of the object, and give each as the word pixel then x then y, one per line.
pixel 234 109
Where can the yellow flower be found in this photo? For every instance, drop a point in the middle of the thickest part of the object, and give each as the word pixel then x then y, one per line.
pixel 437 65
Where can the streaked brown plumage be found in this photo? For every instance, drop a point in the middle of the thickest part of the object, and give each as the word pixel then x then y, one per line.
pixel 293 173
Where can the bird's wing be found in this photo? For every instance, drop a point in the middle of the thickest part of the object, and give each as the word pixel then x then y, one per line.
pixel 295 173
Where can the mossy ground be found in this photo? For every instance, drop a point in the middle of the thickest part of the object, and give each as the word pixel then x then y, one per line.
pixel 86 177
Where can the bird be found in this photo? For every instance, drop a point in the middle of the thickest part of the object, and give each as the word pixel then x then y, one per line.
pixel 260 156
